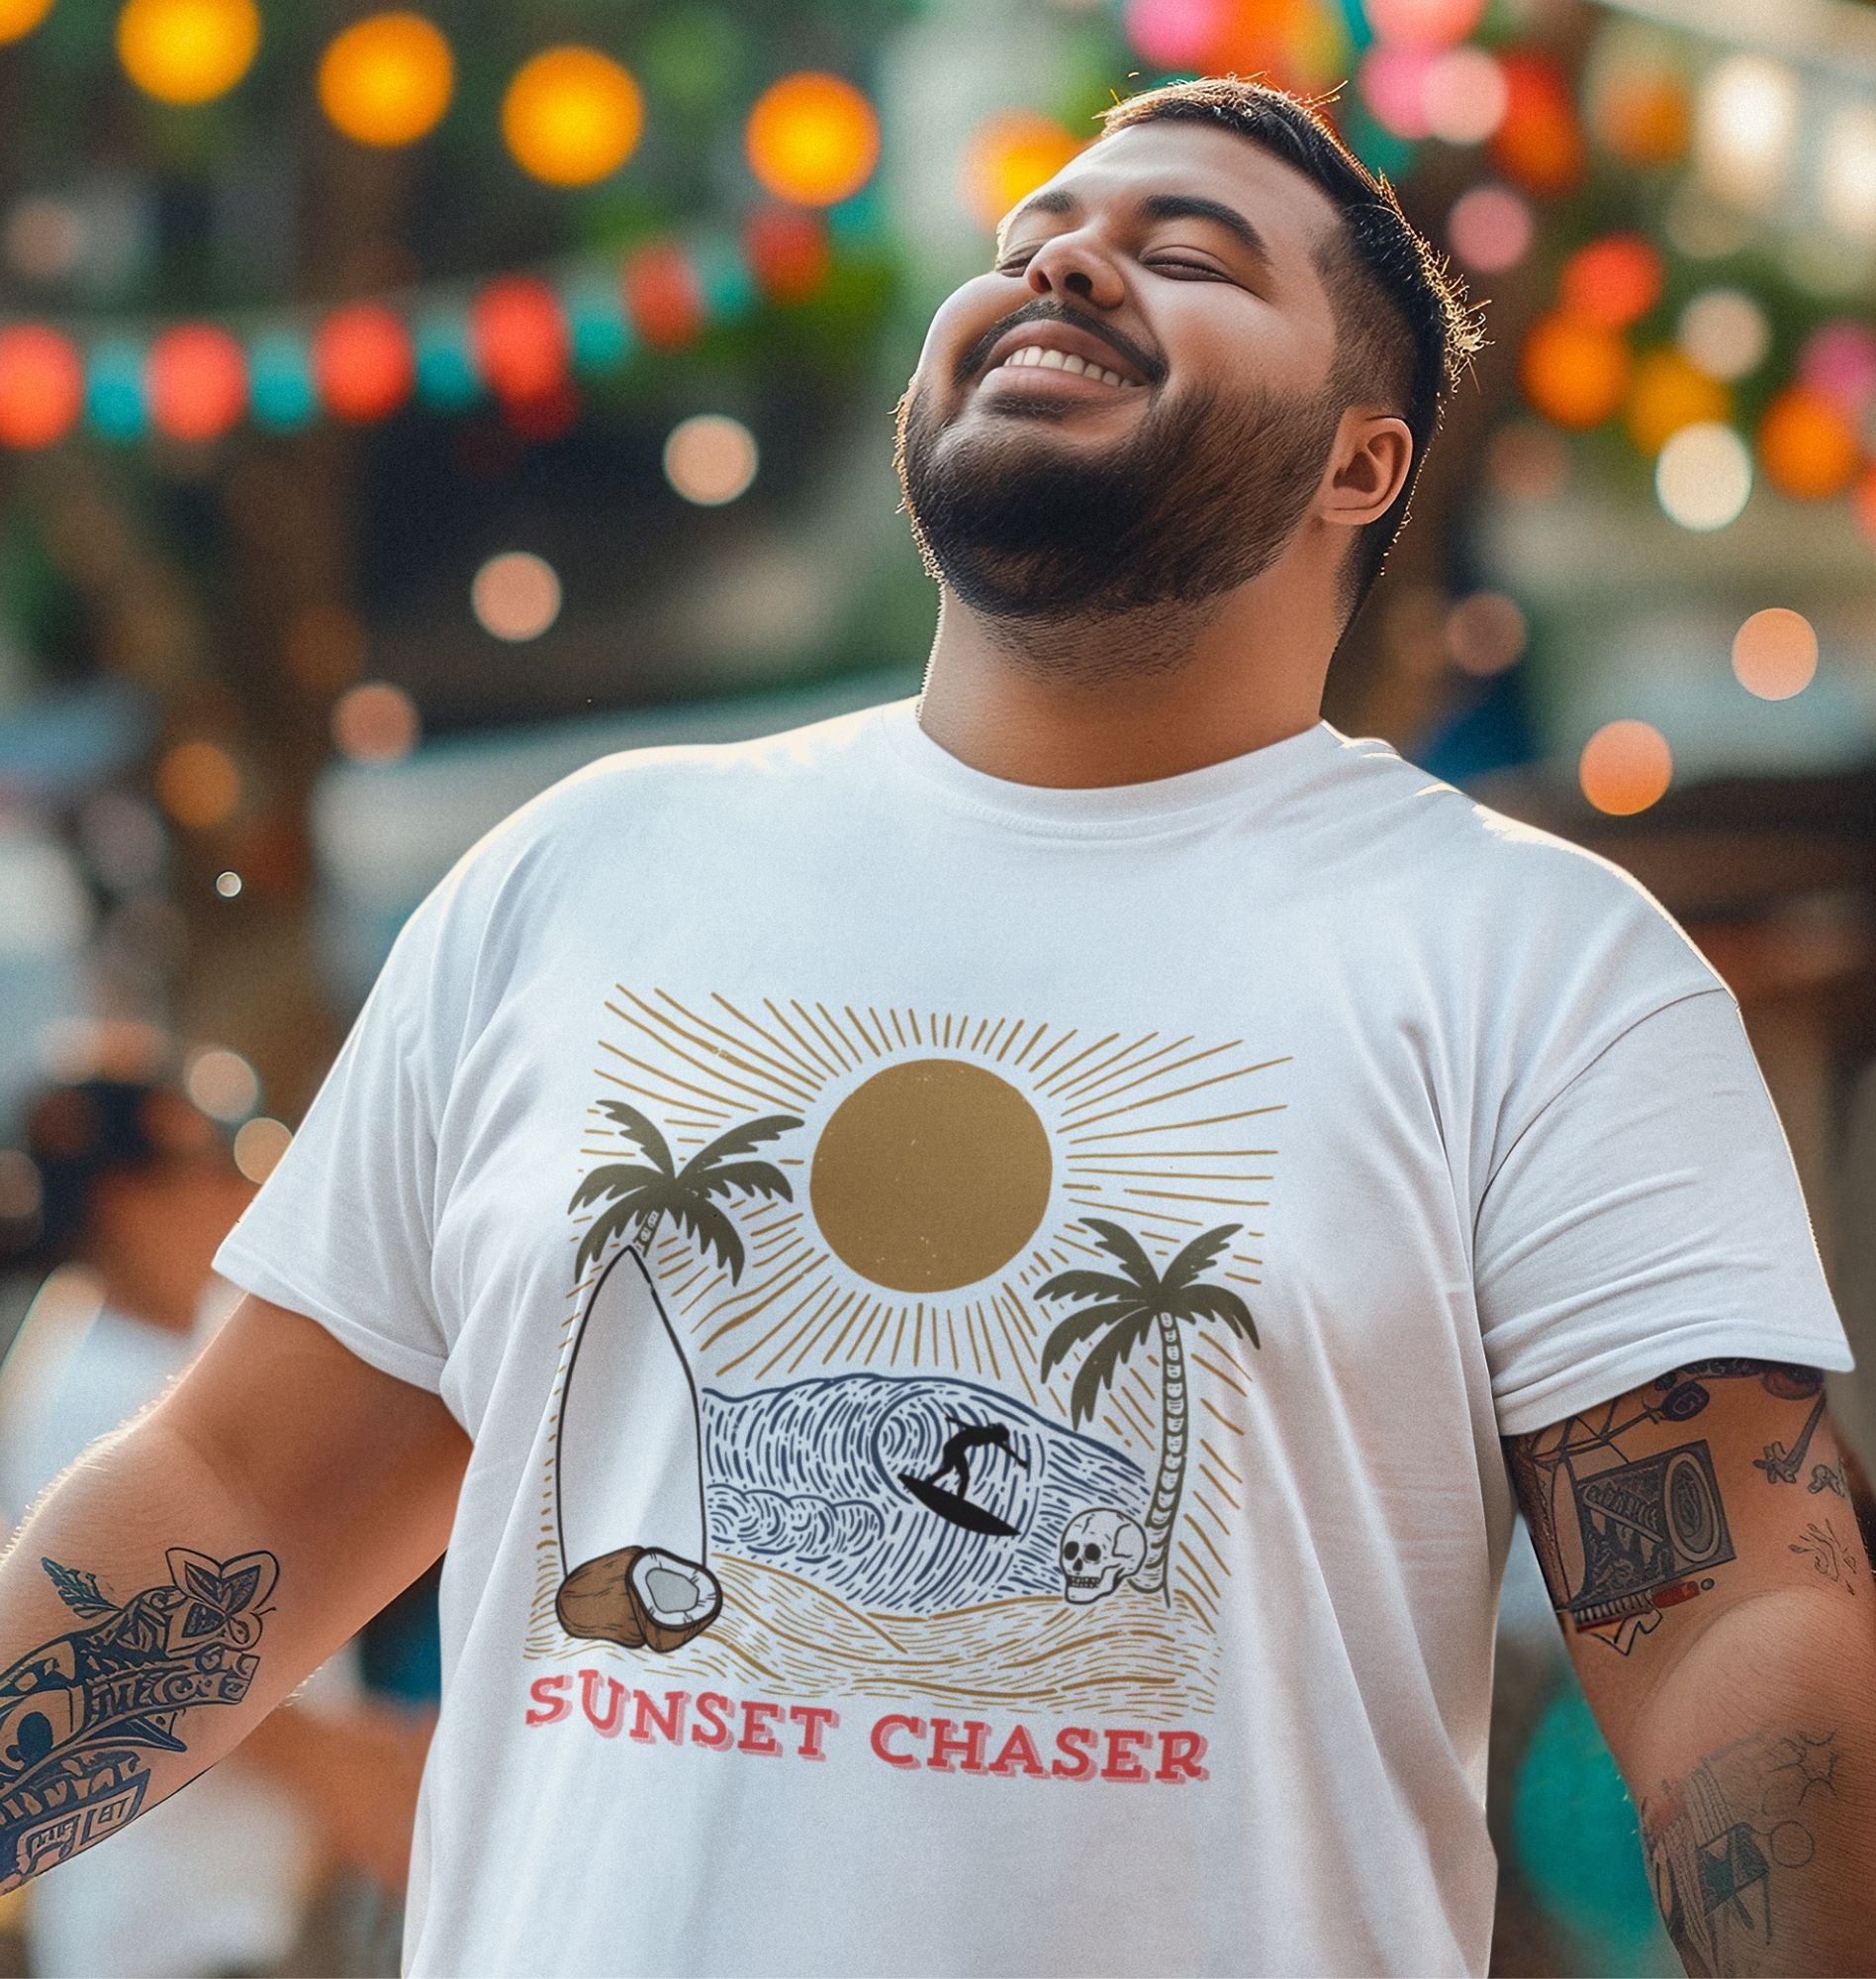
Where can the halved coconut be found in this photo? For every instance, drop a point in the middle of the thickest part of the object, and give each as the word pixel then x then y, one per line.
pixel 596 1603
pixel 672 1598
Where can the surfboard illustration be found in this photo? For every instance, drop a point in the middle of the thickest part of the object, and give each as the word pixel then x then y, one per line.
pixel 646 1487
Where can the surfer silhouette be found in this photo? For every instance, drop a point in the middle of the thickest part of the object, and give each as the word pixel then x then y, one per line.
pixel 954 1461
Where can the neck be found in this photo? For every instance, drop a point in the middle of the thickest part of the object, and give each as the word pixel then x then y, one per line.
pixel 1127 698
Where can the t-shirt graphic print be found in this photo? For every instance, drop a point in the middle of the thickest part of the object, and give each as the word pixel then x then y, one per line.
pixel 954 1314
pixel 985 1316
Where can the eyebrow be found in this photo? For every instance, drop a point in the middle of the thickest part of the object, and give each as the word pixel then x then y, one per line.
pixel 1160 206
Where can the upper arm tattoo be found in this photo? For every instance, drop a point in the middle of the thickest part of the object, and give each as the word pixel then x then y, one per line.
pixel 77 1714
pixel 1625 1533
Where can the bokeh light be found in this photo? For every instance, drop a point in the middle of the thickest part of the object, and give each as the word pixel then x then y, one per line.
pixel 198 382
pixel 363 363
pixel 1642 112
pixel 1838 360
pixel 812 139
pixel 387 80
pixel 1744 128
pixel 1176 34
pixel 1426 24
pixel 1540 143
pixel 710 459
pixel 1464 96
pixel 517 332
pixel 1528 462
pixel 258 1147
pixel 1485 633
pixel 42 385
pixel 280 386
pixel 1491 227
pixel 1575 372
pixel 1703 476
pixel 21 16
pixel 662 297
pixel 1667 392
pixel 1625 767
pixel 572 116
pixel 1807 445
pixel 1725 333
pixel 221 1082
pixel 114 401
pixel 184 52
pixel 1613 282
pixel 516 596
pixel 1775 653
pixel 788 252
pixel 1008 158
pixel 198 785
pixel 1392 80
pixel 229 885
pixel 375 722
pixel 1846 174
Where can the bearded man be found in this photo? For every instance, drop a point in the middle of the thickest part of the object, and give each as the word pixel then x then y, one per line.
pixel 1287 1162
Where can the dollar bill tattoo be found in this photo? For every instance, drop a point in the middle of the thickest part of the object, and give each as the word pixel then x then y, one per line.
pixel 78 1713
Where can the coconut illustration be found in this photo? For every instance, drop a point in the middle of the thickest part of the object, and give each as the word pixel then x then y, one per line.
pixel 641 1597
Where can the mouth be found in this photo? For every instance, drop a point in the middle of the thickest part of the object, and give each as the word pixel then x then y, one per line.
pixel 1058 361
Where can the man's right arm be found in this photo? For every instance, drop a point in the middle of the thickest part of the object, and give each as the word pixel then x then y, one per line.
pixel 192 1569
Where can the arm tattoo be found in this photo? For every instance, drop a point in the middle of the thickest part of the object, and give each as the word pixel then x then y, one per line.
pixel 1622 1537
pixel 1728 1844
pixel 77 1713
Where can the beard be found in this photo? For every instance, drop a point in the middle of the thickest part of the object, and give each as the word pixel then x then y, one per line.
pixel 1201 498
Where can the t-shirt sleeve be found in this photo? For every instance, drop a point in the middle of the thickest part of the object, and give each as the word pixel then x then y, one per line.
pixel 1646 1215
pixel 343 1230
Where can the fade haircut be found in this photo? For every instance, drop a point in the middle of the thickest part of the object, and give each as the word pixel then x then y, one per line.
pixel 1404 332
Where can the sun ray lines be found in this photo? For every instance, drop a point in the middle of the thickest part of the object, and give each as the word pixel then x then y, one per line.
pixel 1219 1485
pixel 658 1098
pixel 1159 1071
pixel 866 1036
pixel 1171 1126
pixel 1187 1195
pixel 832 1070
pixel 756 1346
pixel 1066 1037
pixel 1165 1098
pixel 1223 1421
pixel 777 1058
pixel 1218 1374
pixel 844 1053
pixel 1068 1065
pixel 1205 1443
pixel 768 1298
pixel 672 1078
pixel 847 1300
pixel 816 1324
pixel 1200 1532
pixel 1117 1064
pixel 786 1097
pixel 802 1064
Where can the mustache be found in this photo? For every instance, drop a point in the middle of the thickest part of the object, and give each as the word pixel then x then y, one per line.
pixel 1045 309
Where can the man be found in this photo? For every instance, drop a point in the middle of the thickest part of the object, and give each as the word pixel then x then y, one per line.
pixel 1106 1048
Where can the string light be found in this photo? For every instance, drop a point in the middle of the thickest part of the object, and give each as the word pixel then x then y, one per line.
pixel 387 80
pixel 1703 476
pixel 187 52
pixel 1625 767
pixel 42 385
pixel 1725 333
pixel 1746 126
pixel 1464 96
pixel 812 139
pixel 517 332
pixel 363 363
pixel 572 116
pixel 17 18
pixel 1539 141
pixel 1176 34
pixel 1668 392
pixel 1426 24
pixel 1775 653
pixel 516 596
pixel 1808 447
pixel 710 459
pixel 1613 282
pixel 1490 228
pixel 198 382
pixel 1008 158
pixel 1573 372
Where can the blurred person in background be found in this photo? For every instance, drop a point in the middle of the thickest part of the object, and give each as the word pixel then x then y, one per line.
pixel 786 1631
pixel 137 1190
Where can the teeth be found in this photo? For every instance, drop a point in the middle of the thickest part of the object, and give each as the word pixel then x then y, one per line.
pixel 1031 356
pixel 1076 364
pixel 1052 360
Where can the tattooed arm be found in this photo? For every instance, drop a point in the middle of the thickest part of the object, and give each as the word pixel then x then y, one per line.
pixel 195 1567
pixel 1702 1549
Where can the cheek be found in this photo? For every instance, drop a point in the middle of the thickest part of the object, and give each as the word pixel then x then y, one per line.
pixel 1231 339
pixel 961 318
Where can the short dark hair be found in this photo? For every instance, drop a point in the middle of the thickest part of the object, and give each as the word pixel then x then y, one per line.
pixel 1413 349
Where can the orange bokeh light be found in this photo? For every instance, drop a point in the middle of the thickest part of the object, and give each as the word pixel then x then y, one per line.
pixel 1775 653
pixel 519 334
pixel 1625 767
pixel 1667 392
pixel 1574 373
pixel 198 382
pixel 362 362
pixel 572 116
pixel 788 252
pixel 42 385
pixel 1613 282
pixel 387 80
pixel 1807 446
pixel 812 139
pixel 1539 143
pixel 375 722
pixel 1008 158
pixel 198 785
pixel 185 51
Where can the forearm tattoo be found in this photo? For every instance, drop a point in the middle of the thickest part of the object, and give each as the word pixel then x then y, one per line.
pixel 78 1713
pixel 1729 1844
pixel 1622 1538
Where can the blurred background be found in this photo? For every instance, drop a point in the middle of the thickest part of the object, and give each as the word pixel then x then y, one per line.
pixel 401 409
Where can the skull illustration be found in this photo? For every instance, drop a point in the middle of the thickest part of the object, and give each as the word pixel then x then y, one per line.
pixel 1100 1549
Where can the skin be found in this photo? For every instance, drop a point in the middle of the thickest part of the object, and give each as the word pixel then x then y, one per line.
pixel 1125 698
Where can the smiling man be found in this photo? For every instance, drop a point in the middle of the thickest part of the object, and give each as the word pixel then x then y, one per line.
pixel 974 1289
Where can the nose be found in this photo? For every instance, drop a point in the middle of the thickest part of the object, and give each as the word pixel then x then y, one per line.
pixel 1073 265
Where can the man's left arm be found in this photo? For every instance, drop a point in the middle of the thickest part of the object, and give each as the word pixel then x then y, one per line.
pixel 1702 1549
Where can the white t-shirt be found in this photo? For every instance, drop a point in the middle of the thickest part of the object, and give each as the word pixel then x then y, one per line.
pixel 1014 1294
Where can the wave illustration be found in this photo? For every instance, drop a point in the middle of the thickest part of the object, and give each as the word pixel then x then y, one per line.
pixel 808 1476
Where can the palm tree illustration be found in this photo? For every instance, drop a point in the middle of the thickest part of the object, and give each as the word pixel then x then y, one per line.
pixel 1125 1309
pixel 639 1196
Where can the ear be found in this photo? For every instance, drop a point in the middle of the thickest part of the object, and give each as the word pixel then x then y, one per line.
pixel 1372 455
